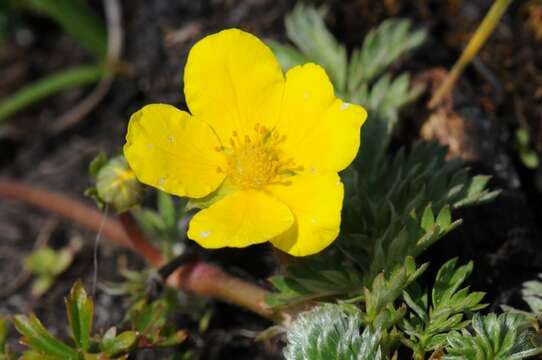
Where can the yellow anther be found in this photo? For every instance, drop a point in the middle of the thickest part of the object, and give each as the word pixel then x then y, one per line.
pixel 256 162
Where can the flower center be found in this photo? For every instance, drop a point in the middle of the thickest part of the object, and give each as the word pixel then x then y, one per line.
pixel 256 161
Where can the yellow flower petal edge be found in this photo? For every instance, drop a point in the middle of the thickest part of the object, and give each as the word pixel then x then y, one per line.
pixel 321 131
pixel 174 152
pixel 233 82
pixel 241 219
pixel 260 154
pixel 316 202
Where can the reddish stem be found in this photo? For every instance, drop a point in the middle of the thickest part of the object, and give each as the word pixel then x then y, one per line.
pixel 139 240
pixel 208 280
pixel 197 277
pixel 72 209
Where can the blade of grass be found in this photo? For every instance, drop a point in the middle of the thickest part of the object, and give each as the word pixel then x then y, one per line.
pixel 479 38
pixel 67 79
pixel 77 19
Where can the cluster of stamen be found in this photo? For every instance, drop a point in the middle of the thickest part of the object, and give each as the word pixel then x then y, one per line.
pixel 256 161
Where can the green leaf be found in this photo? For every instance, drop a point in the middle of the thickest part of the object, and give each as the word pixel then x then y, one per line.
pixel 77 19
pixel 306 28
pixel 444 218
pixel 381 296
pixel 114 345
pixel 33 355
pixel 504 337
pixel 149 220
pixel 176 338
pixel 41 285
pixel 306 281
pixel 448 280
pixel 331 332
pixel 287 55
pixel 166 207
pixel 382 47
pixel 523 145
pixel 428 324
pixel 47 264
pixel 80 309
pixel 47 86
pixel 3 335
pixel 530 159
pixel 41 261
pixel 532 295
pixel 40 340
pixel 428 218
pixel 150 321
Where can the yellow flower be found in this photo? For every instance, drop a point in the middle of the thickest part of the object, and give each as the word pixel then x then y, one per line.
pixel 259 152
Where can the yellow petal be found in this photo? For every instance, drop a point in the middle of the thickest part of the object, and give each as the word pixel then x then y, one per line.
pixel 239 220
pixel 322 132
pixel 233 81
pixel 316 202
pixel 174 152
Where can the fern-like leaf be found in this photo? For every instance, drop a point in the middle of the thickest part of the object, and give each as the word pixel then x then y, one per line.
pixel 306 28
pixel 504 337
pixel 331 332
pixel 381 48
pixel 532 294
pixel 428 324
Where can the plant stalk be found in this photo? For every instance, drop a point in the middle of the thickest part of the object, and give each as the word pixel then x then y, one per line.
pixel 479 38
pixel 198 277
pixel 65 206
pixel 205 279
pixel 139 240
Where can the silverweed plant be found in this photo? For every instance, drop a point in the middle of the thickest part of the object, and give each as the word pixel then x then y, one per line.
pixel 289 144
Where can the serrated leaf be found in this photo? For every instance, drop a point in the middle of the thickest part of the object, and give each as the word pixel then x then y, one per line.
pixel 448 280
pixel 306 28
pixel 503 337
pixel 331 332
pixel 40 340
pixel 428 325
pixel 287 56
pixel 383 46
pixel 415 306
pixel 80 309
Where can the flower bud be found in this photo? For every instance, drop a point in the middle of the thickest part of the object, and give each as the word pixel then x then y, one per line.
pixel 117 185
